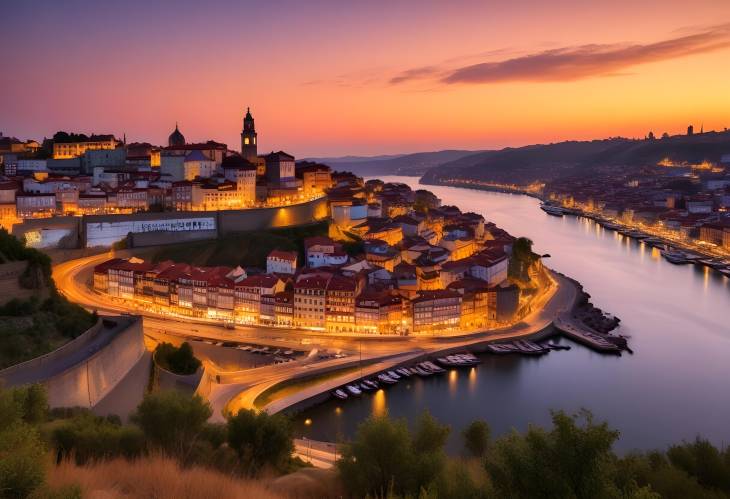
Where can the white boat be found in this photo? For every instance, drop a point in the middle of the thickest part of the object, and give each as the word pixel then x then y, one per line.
pixel 405 372
pixel 340 394
pixel 353 390
pixel 555 211
pixel 432 367
pixel 422 372
pixel 365 387
pixel 386 379
pixel 372 384
pixel 393 375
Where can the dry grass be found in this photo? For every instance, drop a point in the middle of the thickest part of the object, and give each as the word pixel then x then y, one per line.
pixel 154 478
pixel 309 483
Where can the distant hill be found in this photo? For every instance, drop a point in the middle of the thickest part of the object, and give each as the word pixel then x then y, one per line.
pixel 407 164
pixel 547 162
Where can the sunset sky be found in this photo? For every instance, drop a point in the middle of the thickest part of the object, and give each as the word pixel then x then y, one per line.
pixel 334 78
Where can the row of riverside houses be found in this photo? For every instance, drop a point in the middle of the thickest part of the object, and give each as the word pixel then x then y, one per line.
pixel 321 298
pixel 422 268
pixel 688 202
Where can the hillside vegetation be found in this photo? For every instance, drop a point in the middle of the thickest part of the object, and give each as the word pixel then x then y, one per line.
pixel 545 162
pixel 37 325
pixel 243 248
pixel 406 164
pixel 169 449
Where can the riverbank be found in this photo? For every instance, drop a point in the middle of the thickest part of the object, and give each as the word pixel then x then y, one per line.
pixel 635 232
pixel 473 184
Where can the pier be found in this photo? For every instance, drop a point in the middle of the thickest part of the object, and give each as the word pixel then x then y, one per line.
pixel 581 333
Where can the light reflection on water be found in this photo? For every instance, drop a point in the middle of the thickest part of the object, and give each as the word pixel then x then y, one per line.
pixel 677 317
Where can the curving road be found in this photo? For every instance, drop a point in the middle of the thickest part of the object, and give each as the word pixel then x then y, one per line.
pixel 73 278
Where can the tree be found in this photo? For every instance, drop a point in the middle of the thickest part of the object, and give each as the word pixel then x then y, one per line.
pixel 87 437
pixel 476 438
pixel 378 459
pixel 180 360
pixel 172 421
pixel 385 459
pixel 33 402
pixel 427 447
pixel 521 259
pixel 21 448
pixel 573 459
pixel 701 460
pixel 261 440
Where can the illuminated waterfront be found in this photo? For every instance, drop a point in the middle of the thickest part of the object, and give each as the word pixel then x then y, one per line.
pixel 674 386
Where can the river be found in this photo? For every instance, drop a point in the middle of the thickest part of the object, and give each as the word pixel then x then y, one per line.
pixel 675 386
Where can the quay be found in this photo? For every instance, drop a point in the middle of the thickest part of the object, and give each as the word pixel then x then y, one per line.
pixel 581 333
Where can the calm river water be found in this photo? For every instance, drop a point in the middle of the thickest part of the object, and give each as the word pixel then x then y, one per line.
pixel 674 387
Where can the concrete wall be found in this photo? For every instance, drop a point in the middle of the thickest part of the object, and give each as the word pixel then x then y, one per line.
pixel 151 228
pixel 266 218
pixel 31 369
pixel 87 381
pixel 166 380
pixel 159 238
pixel 54 232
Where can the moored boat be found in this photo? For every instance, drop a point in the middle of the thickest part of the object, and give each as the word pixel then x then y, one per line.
pixel 339 394
pixel 353 390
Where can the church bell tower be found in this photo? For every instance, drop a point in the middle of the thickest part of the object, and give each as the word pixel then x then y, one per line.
pixel 248 138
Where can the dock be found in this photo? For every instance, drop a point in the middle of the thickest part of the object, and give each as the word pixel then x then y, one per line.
pixel 583 334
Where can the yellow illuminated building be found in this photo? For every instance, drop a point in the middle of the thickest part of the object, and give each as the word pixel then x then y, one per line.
pixel 67 150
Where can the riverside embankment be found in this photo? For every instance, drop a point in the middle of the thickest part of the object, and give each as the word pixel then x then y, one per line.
pixel 676 317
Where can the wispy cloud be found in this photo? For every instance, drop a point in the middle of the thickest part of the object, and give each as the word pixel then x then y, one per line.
pixel 572 63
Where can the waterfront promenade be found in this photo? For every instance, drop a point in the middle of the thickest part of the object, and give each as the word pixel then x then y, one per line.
pixel 240 389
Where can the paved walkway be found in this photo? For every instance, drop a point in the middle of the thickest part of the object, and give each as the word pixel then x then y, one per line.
pixel 73 279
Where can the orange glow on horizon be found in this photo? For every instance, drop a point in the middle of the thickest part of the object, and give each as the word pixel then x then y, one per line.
pixel 312 101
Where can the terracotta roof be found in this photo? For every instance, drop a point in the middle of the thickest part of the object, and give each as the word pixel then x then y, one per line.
pixel 435 295
pixel 341 283
pixel 283 255
pixel 312 282
pixel 322 240
pixel 258 281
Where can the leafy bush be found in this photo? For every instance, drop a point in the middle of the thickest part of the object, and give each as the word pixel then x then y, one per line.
pixel 179 360
pixel 172 422
pixel 476 438
pixel 21 449
pixel 385 458
pixel 87 437
pixel 573 459
pixel 260 440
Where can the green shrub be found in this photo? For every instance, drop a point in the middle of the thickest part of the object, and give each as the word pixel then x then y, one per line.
pixel 261 440
pixel 179 360
pixel 87 437
pixel 172 422
pixel 476 438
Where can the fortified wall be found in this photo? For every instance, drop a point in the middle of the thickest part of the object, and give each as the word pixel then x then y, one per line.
pixel 85 370
pixel 152 229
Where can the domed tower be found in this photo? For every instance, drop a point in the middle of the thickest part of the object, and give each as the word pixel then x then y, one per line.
pixel 176 139
pixel 248 138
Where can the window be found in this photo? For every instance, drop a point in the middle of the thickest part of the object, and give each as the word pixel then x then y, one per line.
pixel 246 140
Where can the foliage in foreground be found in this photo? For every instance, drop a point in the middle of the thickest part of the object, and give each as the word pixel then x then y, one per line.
pixel 572 459
pixel 169 424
